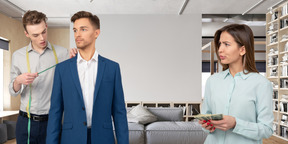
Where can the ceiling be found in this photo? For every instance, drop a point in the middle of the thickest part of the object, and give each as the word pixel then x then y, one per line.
pixel 60 11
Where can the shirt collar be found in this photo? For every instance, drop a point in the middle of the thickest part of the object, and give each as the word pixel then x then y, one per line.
pixel 226 73
pixel 49 45
pixel 30 46
pixel 94 57
pixel 243 76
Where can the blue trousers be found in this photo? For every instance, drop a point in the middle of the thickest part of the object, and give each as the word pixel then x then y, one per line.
pixel 37 131
pixel 89 136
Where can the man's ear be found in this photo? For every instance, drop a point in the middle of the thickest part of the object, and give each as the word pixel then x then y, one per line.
pixel 26 34
pixel 97 33
pixel 242 50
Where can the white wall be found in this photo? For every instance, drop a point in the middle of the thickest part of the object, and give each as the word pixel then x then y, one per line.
pixel 159 55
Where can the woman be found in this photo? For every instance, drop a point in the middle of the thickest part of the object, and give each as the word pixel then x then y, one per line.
pixel 243 96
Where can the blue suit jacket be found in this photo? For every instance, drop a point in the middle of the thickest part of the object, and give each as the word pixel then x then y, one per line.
pixel 67 99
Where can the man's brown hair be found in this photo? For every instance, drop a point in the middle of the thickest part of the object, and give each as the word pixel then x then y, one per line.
pixel 94 20
pixel 243 36
pixel 33 17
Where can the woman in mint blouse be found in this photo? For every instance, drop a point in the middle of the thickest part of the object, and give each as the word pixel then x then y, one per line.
pixel 239 92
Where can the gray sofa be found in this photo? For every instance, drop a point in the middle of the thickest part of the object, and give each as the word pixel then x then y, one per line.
pixel 7 130
pixel 168 129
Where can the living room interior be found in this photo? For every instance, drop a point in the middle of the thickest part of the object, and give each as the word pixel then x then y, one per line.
pixel 164 49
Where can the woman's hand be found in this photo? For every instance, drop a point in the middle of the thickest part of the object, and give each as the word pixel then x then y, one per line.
pixel 207 125
pixel 225 124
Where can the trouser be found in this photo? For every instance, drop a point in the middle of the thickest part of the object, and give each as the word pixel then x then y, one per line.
pixel 37 131
pixel 89 136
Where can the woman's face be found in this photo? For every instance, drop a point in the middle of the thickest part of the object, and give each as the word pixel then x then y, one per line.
pixel 229 51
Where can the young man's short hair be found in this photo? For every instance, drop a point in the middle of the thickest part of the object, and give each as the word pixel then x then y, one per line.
pixel 33 17
pixel 83 14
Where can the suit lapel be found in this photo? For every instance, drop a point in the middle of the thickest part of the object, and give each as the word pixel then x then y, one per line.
pixel 101 67
pixel 75 76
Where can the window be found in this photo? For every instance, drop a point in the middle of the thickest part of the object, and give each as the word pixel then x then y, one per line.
pixel 4 45
pixel 261 66
pixel 206 66
pixel 1 80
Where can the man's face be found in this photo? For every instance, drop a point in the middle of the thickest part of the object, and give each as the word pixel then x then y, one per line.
pixel 84 33
pixel 38 34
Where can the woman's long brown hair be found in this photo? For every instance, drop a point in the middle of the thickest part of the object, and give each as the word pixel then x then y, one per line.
pixel 243 36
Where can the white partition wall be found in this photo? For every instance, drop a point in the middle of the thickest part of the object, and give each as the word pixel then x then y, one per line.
pixel 159 55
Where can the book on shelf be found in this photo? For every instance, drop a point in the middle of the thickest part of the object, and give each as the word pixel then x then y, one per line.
pixel 190 109
pixel 284 131
pixel 273 38
pixel 283 23
pixel 274 128
pixel 274 15
pixel 197 112
pixel 284 10
pixel 183 108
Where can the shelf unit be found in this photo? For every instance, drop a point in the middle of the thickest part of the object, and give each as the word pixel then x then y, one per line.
pixel 189 108
pixel 277 66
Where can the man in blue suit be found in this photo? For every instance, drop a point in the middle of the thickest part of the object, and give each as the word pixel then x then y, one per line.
pixel 88 90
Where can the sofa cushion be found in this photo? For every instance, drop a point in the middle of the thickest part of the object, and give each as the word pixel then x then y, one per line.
pixel 3 133
pixel 140 115
pixel 136 133
pixel 167 114
pixel 11 129
pixel 175 132
pixel 170 126
pixel 135 126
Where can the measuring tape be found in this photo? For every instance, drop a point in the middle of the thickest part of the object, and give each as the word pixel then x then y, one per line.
pixel 30 87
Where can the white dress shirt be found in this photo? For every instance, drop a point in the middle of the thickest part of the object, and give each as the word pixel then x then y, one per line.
pixel 87 71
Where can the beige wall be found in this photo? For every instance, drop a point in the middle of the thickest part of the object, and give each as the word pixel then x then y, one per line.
pixel 12 30
pixel 59 36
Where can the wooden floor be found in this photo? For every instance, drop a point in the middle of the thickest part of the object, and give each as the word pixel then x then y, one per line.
pixel 11 141
pixel 274 140
pixel 271 140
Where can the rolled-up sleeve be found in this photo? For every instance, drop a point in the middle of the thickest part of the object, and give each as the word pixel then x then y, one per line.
pixel 14 72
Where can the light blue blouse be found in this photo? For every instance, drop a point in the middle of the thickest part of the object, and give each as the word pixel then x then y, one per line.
pixel 248 98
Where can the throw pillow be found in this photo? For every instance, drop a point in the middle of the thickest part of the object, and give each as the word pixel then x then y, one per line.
pixel 140 115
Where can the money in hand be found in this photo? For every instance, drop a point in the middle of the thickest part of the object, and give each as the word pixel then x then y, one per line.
pixel 209 117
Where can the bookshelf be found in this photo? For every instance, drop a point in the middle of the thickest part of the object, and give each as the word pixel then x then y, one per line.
pixel 189 108
pixel 277 66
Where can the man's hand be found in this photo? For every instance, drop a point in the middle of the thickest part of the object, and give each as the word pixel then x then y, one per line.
pixel 225 124
pixel 207 125
pixel 73 52
pixel 25 78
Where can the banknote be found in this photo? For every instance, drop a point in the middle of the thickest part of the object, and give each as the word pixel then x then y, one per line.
pixel 209 117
